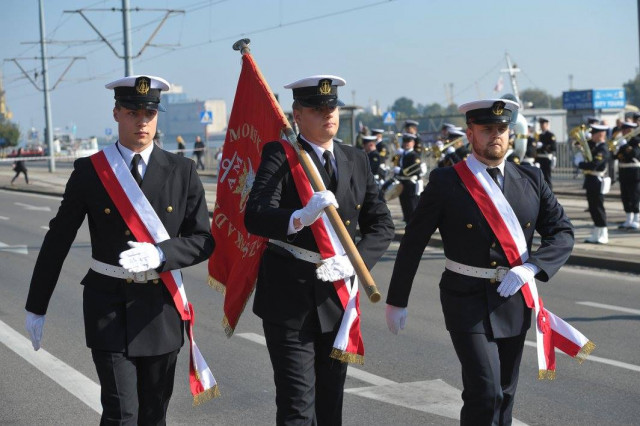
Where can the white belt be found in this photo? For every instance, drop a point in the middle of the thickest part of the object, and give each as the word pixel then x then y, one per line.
pixel 298 252
pixel 549 156
pixel 119 272
pixel 628 165
pixel 594 173
pixel 497 274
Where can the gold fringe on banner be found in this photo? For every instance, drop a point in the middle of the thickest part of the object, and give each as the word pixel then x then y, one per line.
pixel 343 356
pixel 217 285
pixel 205 396
pixel 228 330
pixel 546 375
pixel 585 351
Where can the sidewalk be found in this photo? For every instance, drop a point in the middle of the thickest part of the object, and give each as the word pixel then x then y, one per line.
pixel 621 254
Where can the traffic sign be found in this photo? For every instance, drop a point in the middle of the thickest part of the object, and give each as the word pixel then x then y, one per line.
pixel 389 117
pixel 206 117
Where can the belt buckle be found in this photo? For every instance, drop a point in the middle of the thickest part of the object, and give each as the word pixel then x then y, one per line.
pixel 140 277
pixel 501 272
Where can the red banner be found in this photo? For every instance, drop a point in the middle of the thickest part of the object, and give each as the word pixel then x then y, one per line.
pixel 255 120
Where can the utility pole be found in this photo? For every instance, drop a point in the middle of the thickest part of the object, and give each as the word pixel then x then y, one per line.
pixel 47 102
pixel 126 31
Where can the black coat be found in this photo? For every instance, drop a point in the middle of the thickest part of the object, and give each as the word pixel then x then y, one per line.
pixel 600 154
pixel 627 154
pixel 139 319
pixel 287 291
pixel 472 304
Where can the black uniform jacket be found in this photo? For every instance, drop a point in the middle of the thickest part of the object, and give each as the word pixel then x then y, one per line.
pixel 548 141
pixel 627 154
pixel 472 304
pixel 135 318
pixel 287 290
pixel 600 154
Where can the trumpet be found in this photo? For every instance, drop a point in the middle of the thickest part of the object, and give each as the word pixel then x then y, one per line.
pixel 618 137
pixel 437 152
pixel 411 169
pixel 579 135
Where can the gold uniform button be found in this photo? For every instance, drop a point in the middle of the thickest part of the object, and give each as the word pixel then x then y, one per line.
pixel 156 281
pixel 494 263
pixel 469 225
pixel 129 280
pixel 527 225
pixel 358 207
pixel 169 209
pixel 107 211
pixel 493 245
pixel 347 222
pixel 127 232
pixel 492 280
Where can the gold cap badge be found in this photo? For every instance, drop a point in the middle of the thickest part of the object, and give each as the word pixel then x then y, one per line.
pixel 325 87
pixel 498 108
pixel 142 86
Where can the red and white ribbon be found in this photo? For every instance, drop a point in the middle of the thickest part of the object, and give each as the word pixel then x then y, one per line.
pixel 146 226
pixel 348 345
pixel 551 331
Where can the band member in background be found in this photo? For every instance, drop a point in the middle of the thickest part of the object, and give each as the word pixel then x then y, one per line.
pixel 485 313
pixel 546 146
pixel 595 176
pixel 409 171
pixel 297 301
pixel 375 162
pixel 629 170
pixel 530 153
pixel 132 324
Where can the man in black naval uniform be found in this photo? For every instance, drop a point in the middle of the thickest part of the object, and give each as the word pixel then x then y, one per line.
pixel 409 172
pixel 546 150
pixel 629 175
pixel 300 313
pixel 131 323
pixel 375 161
pixel 595 175
pixel 484 311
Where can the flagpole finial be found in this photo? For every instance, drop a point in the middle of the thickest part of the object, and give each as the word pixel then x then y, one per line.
pixel 242 45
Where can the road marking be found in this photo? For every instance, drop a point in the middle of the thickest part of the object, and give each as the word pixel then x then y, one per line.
pixel 19 249
pixel 4 218
pixel 593 358
pixel 429 396
pixel 32 207
pixel 611 307
pixel 79 385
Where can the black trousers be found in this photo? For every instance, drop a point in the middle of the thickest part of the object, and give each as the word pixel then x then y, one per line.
pixel 408 200
pixel 595 200
pixel 134 390
pixel 18 171
pixel 630 195
pixel 490 370
pixel 545 167
pixel 309 384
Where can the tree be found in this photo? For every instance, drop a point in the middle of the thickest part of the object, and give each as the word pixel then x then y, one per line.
pixel 9 133
pixel 540 99
pixel 632 91
pixel 404 107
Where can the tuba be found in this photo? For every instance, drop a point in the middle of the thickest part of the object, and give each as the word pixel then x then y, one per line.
pixel 521 129
pixel 579 135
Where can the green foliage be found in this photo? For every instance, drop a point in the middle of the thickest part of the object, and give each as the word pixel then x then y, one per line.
pixel 9 132
pixel 540 99
pixel 404 108
pixel 632 90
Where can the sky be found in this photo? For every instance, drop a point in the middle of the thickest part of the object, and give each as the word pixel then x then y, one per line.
pixel 384 49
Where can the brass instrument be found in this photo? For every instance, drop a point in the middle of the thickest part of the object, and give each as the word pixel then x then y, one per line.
pixel 617 138
pixel 437 152
pixel 411 169
pixel 579 135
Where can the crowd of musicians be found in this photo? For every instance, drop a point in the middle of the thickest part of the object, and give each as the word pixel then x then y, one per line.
pixel 399 161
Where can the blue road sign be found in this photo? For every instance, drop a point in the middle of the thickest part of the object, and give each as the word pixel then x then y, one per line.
pixel 206 117
pixel 594 99
pixel 389 117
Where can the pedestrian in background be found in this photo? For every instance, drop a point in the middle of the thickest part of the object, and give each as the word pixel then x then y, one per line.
pixel 484 310
pixel 181 146
pixel 19 167
pixel 198 150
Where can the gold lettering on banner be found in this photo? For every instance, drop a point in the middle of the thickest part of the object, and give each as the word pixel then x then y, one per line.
pixel 219 220
pixel 245 131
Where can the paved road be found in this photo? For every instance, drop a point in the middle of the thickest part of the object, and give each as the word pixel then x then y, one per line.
pixel 408 379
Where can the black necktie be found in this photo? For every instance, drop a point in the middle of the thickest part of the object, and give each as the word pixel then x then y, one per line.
pixel 494 172
pixel 328 166
pixel 134 169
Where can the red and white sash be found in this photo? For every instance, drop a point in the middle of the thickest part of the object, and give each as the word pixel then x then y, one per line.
pixel 146 226
pixel 348 345
pixel 551 331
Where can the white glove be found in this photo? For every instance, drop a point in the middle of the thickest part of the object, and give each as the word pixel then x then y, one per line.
pixel 578 158
pixel 335 268
pixel 313 210
pixel 538 144
pixel 140 257
pixel 396 318
pixel 515 278
pixel 34 324
pixel 397 170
